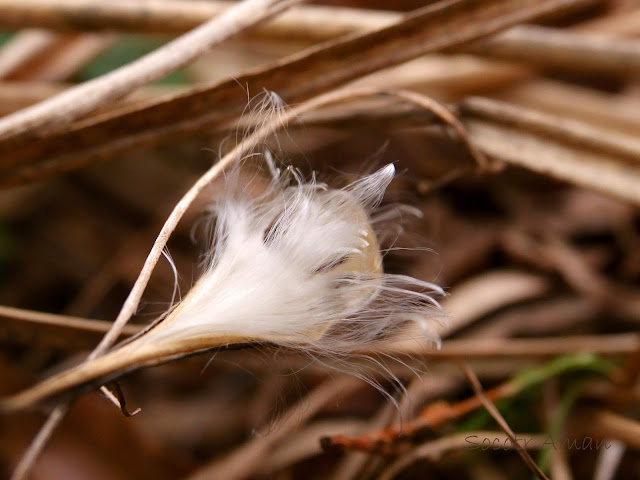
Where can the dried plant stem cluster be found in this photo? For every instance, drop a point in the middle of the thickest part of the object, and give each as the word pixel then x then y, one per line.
pixel 514 152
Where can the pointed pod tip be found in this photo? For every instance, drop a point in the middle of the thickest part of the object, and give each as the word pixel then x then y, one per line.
pixel 386 174
pixel 390 169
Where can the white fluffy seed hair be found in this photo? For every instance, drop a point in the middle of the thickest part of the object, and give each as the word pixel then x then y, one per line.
pixel 300 267
pixel 297 265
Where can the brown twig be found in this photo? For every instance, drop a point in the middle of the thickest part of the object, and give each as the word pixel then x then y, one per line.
pixel 433 415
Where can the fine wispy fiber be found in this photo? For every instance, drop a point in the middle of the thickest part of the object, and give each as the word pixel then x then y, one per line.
pixel 301 266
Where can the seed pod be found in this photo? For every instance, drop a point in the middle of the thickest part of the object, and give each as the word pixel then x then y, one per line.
pixel 300 267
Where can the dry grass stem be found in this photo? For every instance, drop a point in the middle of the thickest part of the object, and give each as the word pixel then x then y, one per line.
pixel 39 442
pixel 22 48
pixel 70 57
pixel 600 172
pixel 56 113
pixel 619 344
pixel 607 424
pixel 247 459
pixel 491 408
pixel 48 329
pixel 556 127
pixel 605 111
pixel 565 51
pixel 312 22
